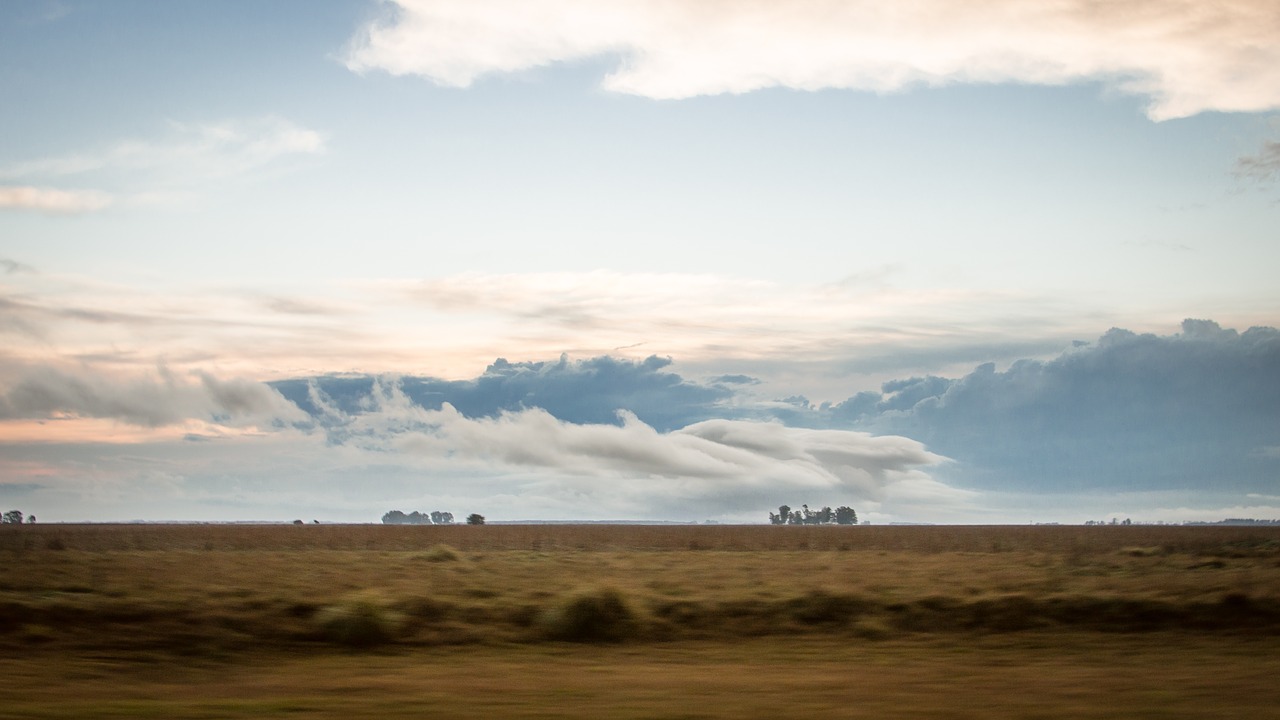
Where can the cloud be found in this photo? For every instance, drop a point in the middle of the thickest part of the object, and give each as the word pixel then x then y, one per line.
pixel 144 171
pixel 1129 424
pixel 721 465
pixel 1184 57
pixel 49 200
pixel 810 339
pixel 157 400
pixel 798 334
pixel 12 267
pixel 1129 412
pixel 578 391
pixel 1263 166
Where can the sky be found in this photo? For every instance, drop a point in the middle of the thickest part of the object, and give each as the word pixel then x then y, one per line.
pixel 684 260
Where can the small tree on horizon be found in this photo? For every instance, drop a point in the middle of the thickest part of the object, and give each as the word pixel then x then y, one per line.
pixel 843 515
pixel 475 519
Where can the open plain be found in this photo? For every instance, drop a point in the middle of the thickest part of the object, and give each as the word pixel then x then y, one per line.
pixel 638 621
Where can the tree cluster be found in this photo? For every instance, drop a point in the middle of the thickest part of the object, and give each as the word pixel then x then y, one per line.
pixel 843 515
pixel 435 517
pixel 15 517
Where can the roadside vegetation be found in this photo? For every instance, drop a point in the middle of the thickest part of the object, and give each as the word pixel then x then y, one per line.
pixel 235 595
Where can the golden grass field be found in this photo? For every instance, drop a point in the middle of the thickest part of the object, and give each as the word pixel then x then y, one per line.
pixel 638 621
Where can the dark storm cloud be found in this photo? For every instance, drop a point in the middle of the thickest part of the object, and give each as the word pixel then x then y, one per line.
pixel 578 391
pixel 1196 410
pixel 1129 412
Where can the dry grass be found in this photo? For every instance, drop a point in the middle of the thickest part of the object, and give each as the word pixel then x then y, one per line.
pixel 218 589
pixel 789 609
pixel 1142 539
pixel 1002 676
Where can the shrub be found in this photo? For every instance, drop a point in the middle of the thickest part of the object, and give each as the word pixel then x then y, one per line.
pixel 872 628
pixel 599 616
pixel 361 621
pixel 440 553
pixel 820 607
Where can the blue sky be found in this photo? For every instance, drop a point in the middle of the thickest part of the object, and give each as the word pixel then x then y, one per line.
pixel 640 260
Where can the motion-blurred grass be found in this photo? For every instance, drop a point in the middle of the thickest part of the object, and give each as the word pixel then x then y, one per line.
pixel 308 604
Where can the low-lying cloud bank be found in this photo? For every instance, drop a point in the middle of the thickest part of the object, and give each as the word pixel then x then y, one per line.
pixel 1185 57
pixel 1194 410
pixel 581 391
pixel 1150 421
pixel 162 398
pixel 716 466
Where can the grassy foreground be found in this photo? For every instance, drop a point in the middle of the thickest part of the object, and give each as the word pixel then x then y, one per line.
pixel 633 621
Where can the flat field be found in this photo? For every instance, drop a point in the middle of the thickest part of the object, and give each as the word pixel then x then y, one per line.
pixel 638 621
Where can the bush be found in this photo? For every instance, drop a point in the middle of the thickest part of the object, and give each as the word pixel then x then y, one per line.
pixel 440 553
pixel 872 628
pixel 357 622
pixel 600 616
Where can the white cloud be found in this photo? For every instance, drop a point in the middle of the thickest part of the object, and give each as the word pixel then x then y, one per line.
pixel 49 200
pixel 160 169
pixel 808 339
pixel 725 464
pixel 1186 57
pixel 159 399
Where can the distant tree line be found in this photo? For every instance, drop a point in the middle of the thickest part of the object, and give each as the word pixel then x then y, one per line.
pixel 435 517
pixel 843 515
pixel 15 517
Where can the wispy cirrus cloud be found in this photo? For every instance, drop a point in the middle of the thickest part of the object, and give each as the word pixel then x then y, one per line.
pixel 1263 166
pixel 51 200
pixel 1184 57
pixel 810 337
pixel 187 156
pixel 12 266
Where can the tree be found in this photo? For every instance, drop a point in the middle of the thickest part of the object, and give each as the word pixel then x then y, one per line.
pixel 435 517
pixel 12 517
pixel 783 516
pixel 843 515
pixel 31 519
pixel 475 519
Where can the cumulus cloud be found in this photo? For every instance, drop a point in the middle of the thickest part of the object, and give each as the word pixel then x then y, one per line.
pixel 1185 57
pixel 1130 411
pixel 722 465
pixel 579 391
pixel 49 200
